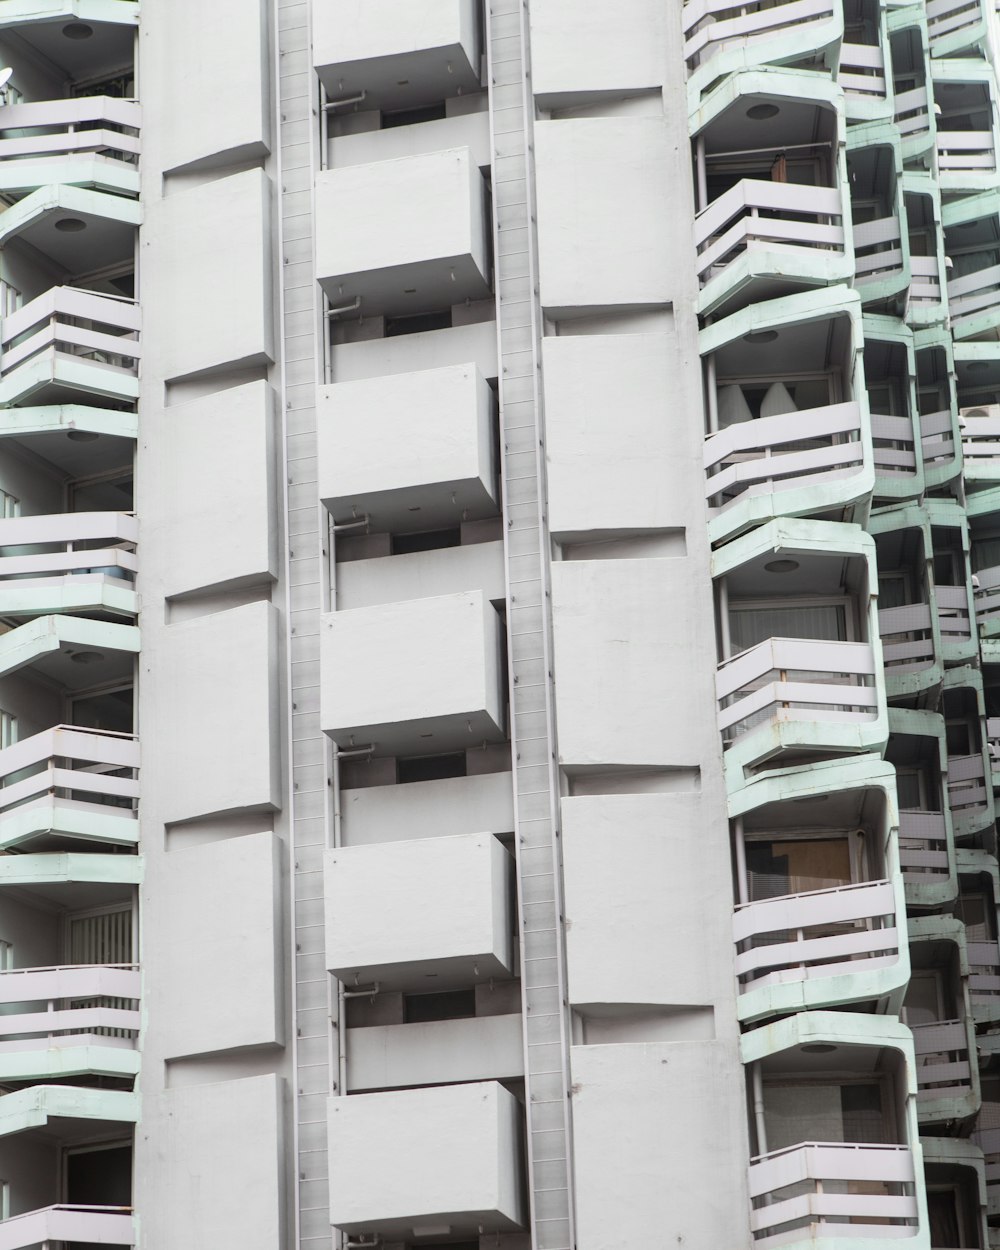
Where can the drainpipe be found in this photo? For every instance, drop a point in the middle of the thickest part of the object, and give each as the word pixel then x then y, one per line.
pixel 743 890
pixel 702 175
pixel 712 395
pixel 757 1080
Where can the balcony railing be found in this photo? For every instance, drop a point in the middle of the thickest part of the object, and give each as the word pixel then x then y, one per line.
pixel 83 1004
pixel 981 439
pixel 943 1066
pixel 75 327
pixel 893 447
pixel 68 1225
pixel 791 450
pixel 854 1191
pixel 967 785
pixel 972 294
pixel 907 638
pixel 988 1141
pixel 712 25
pixel 878 251
pixel 796 679
pixel 821 933
pixel 954 618
pixel 78 545
pixel 99 127
pixel 966 152
pixel 85 770
pixel 937 438
pixel 796 219
pixel 862 71
pixel 923 848
pixel 912 113
pixel 984 977
pixel 925 281
pixel 948 19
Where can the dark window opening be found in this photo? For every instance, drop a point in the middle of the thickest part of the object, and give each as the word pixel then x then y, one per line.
pixel 447 1005
pixel 430 767
pixel 418 323
pixel 412 117
pixel 426 540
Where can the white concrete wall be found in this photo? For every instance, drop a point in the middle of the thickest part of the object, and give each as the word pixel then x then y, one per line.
pixel 363 30
pixel 593 172
pixel 428 809
pixel 421 574
pixel 581 49
pixel 218 58
pixel 222 904
pixel 217 523
pixel 397 1055
pixel 219 1160
pixel 216 684
pixel 211 271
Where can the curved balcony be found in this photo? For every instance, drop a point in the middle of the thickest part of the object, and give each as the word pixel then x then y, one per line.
pixel 956 25
pixel 926 856
pixel 793 464
pixel 879 260
pixel 87 564
pixel 777 32
pixel 973 300
pixel 955 615
pixel 763 238
pixel 863 78
pixel 925 288
pixel 969 795
pixel 818 948
pixel 938 445
pixel 980 428
pixel 70 782
pixel 69 341
pixel 68 1225
pixel 91 141
pixel 966 158
pixel 851 1192
pixel 947 1086
pixel 894 451
pixel 909 648
pixel 914 120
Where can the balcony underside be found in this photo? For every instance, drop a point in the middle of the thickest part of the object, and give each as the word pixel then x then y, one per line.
pixel 53 378
pixel 49 643
pixel 82 1055
pixel 67 1112
pixel 110 222
pixel 96 173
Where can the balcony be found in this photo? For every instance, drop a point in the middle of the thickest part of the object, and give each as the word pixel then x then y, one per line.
pixel 398 1056
pixel 413 451
pixel 909 647
pixel 980 428
pixel 925 285
pixel 788 464
pixel 955 621
pixel 759 236
pixel 68 1225
pixel 938 445
pixel 88 564
pixel 396 55
pixel 967 155
pixel 69 782
pixel 894 452
pixel 973 300
pixel 455 928
pixel 780 32
pixel 432 211
pixel 69 342
pixel 92 142
pixel 831 945
pixel 879 260
pixel 944 1068
pixel 420 676
pixel 871 1189
pixel 966 141
pixel 429 808
pixel 926 854
pixel 470 1178
pixel 914 120
pixel 969 794
pixel 956 25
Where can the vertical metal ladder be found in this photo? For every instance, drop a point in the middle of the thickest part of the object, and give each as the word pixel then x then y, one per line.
pixel 529 636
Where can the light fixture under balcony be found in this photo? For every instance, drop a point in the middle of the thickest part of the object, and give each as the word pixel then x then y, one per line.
pixel 86 657
pixel 762 112
pixel 760 336
pixel 82 436
pixel 977 366
pixel 71 225
pixel 78 30
pixel 817 1048
pixel 781 566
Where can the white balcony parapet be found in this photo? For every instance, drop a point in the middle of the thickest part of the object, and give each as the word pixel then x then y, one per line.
pixel 966 152
pixel 967 785
pixel 942 1053
pixel 948 21
pixel 65 1224
pixel 925 280
pixel 878 251
pixel 797 219
pixel 862 71
pixel 785 452
pixel 51 149
pixel 984 973
pixel 893 447
pixel 69 571
pixel 937 436
pixel 912 112
pixel 972 296
pixel 907 639
pixel 980 439
pixel 835 1190
pixel 954 619
pixel 923 847
pixel 838 930
pixel 45 1106
pixel 796 679
pixel 52 340
pixel 711 26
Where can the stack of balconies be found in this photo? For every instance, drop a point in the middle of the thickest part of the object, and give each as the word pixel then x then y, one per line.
pixel 421 926
pixel 69 758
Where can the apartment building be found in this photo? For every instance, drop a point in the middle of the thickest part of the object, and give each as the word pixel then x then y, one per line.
pixel 499 624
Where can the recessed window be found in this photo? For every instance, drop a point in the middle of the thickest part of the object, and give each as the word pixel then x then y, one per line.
pixel 425 540
pixel 430 767
pixel 447 1005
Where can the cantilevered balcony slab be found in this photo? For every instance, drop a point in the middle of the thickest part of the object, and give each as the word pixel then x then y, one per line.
pixel 419 246
pixel 66 1112
pixel 413 677
pixel 398 1056
pixel 471 1178
pixel 72 783
pixel 69 341
pixel 866 78
pixel 90 141
pixel 394 54
pixel 49 643
pixel 432 913
pixel 412 451
pixel 69 1225
pixel 81 562
pixel 107 236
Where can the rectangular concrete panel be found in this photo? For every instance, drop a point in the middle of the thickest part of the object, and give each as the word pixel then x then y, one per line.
pixel 579 50
pixel 591 171
pixel 628 688
pixel 419 915
pixel 234 1195
pixel 223 901
pixel 218 465
pixel 420 244
pixel 418 677
pixel 412 451
pixel 453 1154
pixel 212 272
pixel 222 752
pixel 203 47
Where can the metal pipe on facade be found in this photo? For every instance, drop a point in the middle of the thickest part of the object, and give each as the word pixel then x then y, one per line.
pixel 702 174
pixel 712 395
pixel 757 1081
pixel 742 886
